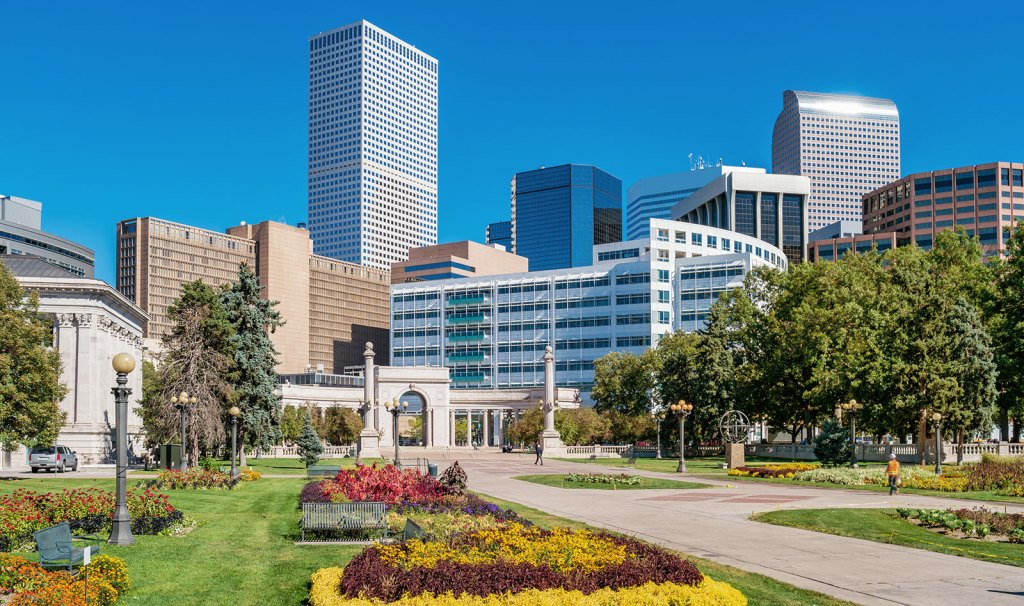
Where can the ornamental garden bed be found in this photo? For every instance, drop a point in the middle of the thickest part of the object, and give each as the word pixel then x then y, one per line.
pixel 995 476
pixel 969 523
pixel 25 583
pixel 607 481
pixel 198 478
pixel 86 510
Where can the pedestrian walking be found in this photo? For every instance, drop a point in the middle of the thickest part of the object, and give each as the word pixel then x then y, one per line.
pixel 892 471
pixel 540 454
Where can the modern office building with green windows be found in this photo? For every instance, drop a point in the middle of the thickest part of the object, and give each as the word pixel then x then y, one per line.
pixel 560 213
pixel 491 331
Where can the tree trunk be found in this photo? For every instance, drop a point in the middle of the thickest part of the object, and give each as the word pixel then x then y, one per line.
pixel 922 439
pixel 960 447
pixel 1016 430
pixel 1004 424
pixel 241 452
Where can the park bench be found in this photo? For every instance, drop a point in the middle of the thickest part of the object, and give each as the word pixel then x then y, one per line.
pixel 321 471
pixel 56 549
pixel 340 517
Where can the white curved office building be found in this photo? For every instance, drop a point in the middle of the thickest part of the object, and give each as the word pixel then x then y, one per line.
pixel 491 331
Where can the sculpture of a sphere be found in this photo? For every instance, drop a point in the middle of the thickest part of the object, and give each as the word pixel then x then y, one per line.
pixel 734 427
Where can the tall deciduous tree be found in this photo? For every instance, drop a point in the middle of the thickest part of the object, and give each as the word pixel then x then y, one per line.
pixel 194 361
pixel 30 387
pixel 1008 331
pixel 255 380
pixel 342 425
pixel 291 423
pixel 622 382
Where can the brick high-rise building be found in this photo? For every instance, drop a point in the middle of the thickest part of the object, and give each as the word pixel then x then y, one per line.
pixel 331 308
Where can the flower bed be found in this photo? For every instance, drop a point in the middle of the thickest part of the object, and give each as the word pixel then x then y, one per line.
pixel 969 523
pixel 197 478
pixel 773 470
pixel 84 509
pixel 29 584
pixel 605 478
pixel 387 483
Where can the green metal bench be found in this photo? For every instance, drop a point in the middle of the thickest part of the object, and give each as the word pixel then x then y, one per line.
pixel 56 549
pixel 321 471
pixel 334 517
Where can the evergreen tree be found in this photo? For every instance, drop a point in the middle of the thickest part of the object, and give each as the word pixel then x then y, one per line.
pixel 309 445
pixel 832 446
pixel 30 387
pixel 254 380
pixel 1008 328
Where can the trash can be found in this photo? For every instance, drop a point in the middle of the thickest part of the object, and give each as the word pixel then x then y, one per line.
pixel 432 470
pixel 170 456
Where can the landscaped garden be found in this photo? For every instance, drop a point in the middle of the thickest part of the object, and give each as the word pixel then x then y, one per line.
pixel 606 481
pixel 243 549
pixel 974 533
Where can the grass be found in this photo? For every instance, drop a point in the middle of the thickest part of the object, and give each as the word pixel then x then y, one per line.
pixel 558 480
pixel 243 551
pixel 885 526
pixel 759 589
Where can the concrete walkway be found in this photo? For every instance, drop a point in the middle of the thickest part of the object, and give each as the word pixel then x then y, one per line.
pixel 714 523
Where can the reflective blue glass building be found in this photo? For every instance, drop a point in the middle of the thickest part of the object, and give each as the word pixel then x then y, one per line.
pixel 500 232
pixel 560 213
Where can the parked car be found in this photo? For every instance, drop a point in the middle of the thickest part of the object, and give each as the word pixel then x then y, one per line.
pixel 58 458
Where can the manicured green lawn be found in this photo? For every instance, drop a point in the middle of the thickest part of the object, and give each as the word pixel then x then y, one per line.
pixel 759 589
pixel 558 480
pixel 242 552
pixel 885 526
pixel 284 466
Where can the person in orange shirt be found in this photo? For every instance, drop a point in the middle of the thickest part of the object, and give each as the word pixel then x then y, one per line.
pixel 892 471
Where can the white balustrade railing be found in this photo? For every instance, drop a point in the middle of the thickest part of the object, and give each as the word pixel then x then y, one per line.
pixel 288 452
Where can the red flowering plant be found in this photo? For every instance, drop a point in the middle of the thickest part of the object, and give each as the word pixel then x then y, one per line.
pixel 388 484
pixel 84 509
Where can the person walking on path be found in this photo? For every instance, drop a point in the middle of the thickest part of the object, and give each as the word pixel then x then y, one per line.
pixel 540 454
pixel 892 471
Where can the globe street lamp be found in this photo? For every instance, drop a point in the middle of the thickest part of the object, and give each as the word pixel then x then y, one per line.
pixel 181 402
pixel 396 409
pixel 852 407
pixel 121 532
pixel 937 419
pixel 234 412
pixel 683 409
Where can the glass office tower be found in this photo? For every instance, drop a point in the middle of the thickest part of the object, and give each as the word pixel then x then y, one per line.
pixel 500 232
pixel 560 213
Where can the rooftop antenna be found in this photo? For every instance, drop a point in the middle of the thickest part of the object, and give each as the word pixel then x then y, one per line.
pixel 690 156
pixel 743 163
pixel 719 162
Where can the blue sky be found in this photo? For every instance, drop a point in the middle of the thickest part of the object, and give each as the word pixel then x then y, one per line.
pixel 196 112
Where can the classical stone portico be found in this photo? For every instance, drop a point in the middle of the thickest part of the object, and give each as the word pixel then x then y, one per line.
pixel 487 411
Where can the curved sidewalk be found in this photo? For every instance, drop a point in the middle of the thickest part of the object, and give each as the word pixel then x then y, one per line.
pixel 713 523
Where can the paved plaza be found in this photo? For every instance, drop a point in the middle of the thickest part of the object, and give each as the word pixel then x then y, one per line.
pixel 714 523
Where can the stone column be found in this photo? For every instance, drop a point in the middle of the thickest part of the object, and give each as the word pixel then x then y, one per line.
pixel 369 443
pixel 451 427
pixel 550 437
pixel 487 428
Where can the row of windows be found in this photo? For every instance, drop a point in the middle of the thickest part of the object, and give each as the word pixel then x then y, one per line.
pixel 582 283
pixel 523 288
pixel 584 302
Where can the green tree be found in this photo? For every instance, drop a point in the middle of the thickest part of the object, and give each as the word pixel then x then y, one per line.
pixel 255 380
pixel 629 428
pixel 194 361
pixel 30 387
pixel 309 446
pixel 622 382
pixel 149 406
pixel 579 426
pixel 832 446
pixel 415 429
pixel 341 425
pixel 527 427
pixel 1007 330
pixel 291 423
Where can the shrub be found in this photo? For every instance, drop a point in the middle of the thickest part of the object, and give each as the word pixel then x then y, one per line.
pixel 1004 474
pixel 454 479
pixel 773 470
pixel 388 484
pixel 832 446
pixel 249 475
pixel 195 478
pixel 326 582
pixel 1017 536
pixel 30 585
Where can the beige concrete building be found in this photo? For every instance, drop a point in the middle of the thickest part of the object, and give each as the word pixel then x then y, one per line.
pixel 457 260
pixel 330 307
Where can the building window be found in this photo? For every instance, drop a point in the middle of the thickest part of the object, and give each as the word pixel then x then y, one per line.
pixel 663 317
pixel 663 275
pixel 745 213
pixel 663 296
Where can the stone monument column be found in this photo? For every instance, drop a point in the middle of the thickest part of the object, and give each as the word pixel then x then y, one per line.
pixel 369 443
pixel 550 438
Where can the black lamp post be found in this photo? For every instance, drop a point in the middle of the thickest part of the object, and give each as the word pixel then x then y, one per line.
pixel 181 402
pixel 234 412
pixel 937 418
pixel 852 407
pixel 396 409
pixel 683 409
pixel 121 532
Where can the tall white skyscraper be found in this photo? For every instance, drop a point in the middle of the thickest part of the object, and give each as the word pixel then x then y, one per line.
pixel 847 145
pixel 372 146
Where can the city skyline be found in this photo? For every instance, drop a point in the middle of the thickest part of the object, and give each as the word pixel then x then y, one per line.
pixel 191 140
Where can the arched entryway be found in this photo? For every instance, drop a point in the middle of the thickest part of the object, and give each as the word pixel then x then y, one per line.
pixel 413 425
